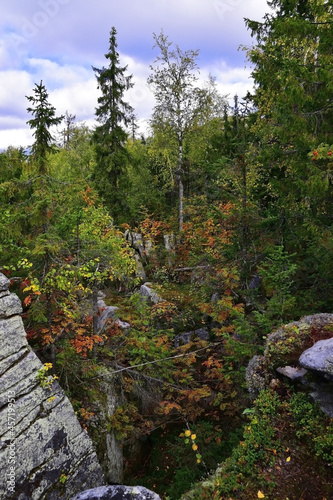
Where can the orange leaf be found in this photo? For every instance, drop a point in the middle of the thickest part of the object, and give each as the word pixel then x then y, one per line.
pixel 27 300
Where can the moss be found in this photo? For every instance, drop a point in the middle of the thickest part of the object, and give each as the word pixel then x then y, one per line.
pixel 284 346
pixel 285 452
pixel 257 378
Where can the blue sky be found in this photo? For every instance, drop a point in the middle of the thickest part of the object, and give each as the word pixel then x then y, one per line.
pixel 58 41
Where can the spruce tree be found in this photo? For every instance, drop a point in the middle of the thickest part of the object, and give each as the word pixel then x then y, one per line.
pixel 44 118
pixel 113 114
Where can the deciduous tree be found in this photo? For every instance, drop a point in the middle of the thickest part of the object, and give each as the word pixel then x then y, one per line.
pixel 173 80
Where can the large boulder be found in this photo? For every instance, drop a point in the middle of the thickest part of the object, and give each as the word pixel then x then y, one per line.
pixel 319 358
pixel 44 452
pixel 118 492
pixel 107 313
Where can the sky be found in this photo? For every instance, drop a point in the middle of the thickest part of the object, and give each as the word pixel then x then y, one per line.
pixel 58 42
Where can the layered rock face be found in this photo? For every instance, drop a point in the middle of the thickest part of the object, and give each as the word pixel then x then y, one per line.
pixel 44 452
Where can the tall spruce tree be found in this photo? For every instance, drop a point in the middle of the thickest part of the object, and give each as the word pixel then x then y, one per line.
pixel 113 114
pixel 44 119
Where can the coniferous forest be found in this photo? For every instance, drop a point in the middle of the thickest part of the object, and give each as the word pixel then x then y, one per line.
pixel 227 212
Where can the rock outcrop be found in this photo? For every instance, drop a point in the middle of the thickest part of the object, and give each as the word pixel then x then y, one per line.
pixel 106 313
pixel 141 246
pixel 287 353
pixel 109 448
pixel 44 452
pixel 118 492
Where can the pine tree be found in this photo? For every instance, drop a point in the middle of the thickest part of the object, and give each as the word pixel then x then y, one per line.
pixel 113 113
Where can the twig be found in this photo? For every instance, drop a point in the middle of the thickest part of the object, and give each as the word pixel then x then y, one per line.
pixel 159 360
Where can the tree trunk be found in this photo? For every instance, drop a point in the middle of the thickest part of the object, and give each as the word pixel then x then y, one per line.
pixel 180 181
pixel 95 311
pixel 181 208
pixel 245 228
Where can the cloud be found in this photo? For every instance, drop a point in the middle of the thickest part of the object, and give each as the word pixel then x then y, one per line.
pixel 78 99
pixel 77 30
pixel 74 89
pixel 14 86
pixel 21 137
pixel 231 80
pixel 57 41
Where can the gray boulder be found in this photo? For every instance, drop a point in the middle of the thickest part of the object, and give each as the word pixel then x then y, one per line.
pixel 10 305
pixel 105 313
pixel 4 283
pixel 313 369
pixel 292 372
pixel 146 291
pixel 319 358
pixel 118 492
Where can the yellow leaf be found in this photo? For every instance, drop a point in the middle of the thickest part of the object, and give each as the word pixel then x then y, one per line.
pixel 288 459
pixel 260 494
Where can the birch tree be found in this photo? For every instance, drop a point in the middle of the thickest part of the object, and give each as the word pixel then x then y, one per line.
pixel 173 79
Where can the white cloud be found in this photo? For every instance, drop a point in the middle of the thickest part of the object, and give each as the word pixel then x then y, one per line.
pixel 58 74
pixel 140 96
pixel 15 85
pixel 16 137
pixel 57 41
pixel 79 98
pixel 232 80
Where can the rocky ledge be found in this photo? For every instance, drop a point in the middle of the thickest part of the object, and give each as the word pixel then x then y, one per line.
pixel 44 452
